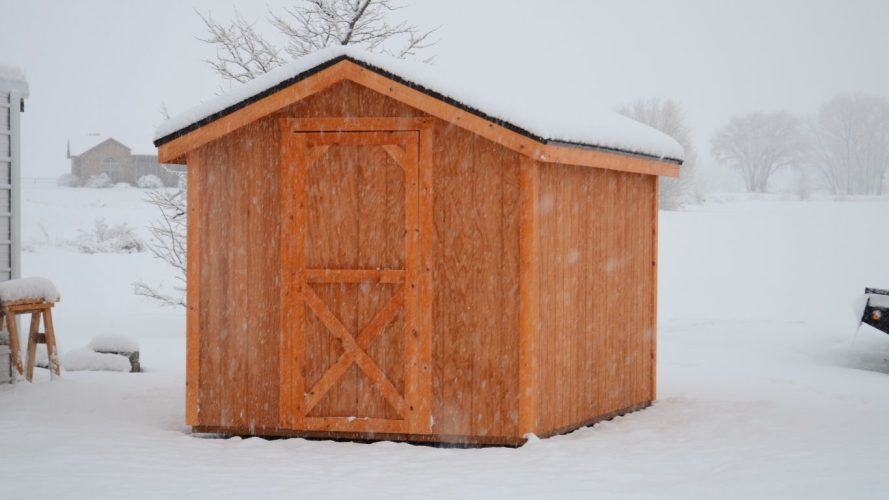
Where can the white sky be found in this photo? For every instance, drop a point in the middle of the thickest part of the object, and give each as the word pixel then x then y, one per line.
pixel 107 65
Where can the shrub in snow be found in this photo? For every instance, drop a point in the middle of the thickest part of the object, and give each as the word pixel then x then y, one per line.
pixel 99 181
pixel 150 182
pixel 123 185
pixel 69 180
pixel 167 243
pixel 108 239
pixel 86 359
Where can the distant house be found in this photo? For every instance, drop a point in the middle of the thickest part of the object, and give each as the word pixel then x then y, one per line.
pixel 96 154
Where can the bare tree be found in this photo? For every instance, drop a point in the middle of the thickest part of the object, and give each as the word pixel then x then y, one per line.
pixel 758 145
pixel 850 143
pixel 168 243
pixel 668 116
pixel 243 53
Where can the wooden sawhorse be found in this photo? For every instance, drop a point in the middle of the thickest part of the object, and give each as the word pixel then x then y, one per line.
pixel 10 310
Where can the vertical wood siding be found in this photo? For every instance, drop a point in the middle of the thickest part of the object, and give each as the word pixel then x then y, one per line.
pixel 595 256
pixel 596 293
pixel 476 274
pixel 239 274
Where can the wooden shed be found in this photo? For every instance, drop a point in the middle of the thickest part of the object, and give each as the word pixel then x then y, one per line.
pixel 373 253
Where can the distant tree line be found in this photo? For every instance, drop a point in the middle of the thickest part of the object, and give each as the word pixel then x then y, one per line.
pixel 845 144
pixel 668 116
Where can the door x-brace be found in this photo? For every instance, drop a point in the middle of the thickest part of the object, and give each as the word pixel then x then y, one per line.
pixel 355 349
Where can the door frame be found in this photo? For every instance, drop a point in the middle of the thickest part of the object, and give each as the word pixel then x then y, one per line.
pixel 418 327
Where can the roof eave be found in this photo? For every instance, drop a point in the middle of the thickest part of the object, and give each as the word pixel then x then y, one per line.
pixel 346 68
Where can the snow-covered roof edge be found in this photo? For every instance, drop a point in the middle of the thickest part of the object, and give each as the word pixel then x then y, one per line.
pixel 13 78
pixel 660 146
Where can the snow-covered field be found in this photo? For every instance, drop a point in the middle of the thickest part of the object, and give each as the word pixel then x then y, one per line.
pixel 765 389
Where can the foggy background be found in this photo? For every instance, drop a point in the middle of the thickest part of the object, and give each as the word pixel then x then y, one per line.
pixel 107 66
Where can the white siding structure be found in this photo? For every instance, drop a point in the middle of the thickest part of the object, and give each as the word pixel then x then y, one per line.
pixel 13 91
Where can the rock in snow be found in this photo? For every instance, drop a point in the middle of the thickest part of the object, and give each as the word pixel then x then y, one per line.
pixel 545 113
pixel 29 288
pixel 86 359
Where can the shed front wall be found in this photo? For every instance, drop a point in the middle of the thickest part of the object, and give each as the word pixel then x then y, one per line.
pixel 595 346
pixel 235 328
pixel 234 273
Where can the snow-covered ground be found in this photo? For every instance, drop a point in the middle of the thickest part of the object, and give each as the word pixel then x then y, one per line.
pixel 765 390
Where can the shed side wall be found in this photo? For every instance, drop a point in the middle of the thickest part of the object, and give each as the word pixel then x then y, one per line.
pixel 597 291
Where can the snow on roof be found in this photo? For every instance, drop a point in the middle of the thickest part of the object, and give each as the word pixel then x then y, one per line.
pixel 13 78
pixel 546 116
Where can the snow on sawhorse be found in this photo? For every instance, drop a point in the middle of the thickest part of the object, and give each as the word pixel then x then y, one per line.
pixel 34 296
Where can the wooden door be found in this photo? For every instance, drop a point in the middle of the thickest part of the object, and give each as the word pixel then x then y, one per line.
pixel 350 245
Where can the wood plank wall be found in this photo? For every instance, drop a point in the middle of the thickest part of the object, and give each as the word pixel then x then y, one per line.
pixel 475 279
pixel 596 323
pixel 238 300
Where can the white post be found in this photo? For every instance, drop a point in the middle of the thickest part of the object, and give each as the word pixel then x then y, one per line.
pixel 13 91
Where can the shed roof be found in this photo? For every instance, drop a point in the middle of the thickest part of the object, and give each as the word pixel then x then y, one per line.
pixel 547 118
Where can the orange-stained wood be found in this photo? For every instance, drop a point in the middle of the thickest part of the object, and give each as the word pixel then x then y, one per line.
pixel 367 426
pixel 14 347
pixel 193 286
pixel 360 357
pixel 292 384
pixel 595 233
pixel 32 344
pixel 408 158
pixel 263 294
pixel 174 150
pixel 213 317
pixel 358 124
pixel 476 292
pixel 368 138
pixel 344 191
pixel 234 362
pixel 529 295
pixel 333 221
pixel 354 276
pixel 654 260
pixel 422 399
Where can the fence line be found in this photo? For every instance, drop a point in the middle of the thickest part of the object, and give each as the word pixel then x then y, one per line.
pixel 38 181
